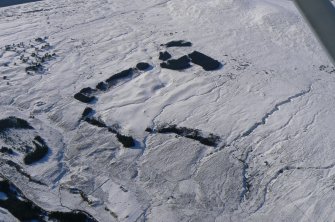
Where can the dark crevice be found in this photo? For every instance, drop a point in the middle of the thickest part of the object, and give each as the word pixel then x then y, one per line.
pixel 281 171
pixel 246 185
pixel 266 187
pixel 275 109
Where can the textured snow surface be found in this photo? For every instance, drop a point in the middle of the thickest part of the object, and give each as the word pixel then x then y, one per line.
pixel 271 103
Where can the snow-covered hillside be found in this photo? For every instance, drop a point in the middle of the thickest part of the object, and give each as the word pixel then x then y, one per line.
pixel 251 140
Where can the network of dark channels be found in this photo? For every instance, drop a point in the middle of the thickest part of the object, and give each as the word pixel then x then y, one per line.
pixel 167 110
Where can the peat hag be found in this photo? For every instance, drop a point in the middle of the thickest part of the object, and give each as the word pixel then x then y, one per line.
pixel 87 90
pixel 25 210
pixel 114 79
pixel 84 98
pixel 96 122
pixel 126 141
pixel 88 111
pixel 206 62
pixel 88 95
pixel 143 66
pixel 164 56
pixel 34 68
pixel 194 134
pixel 6 150
pixel 13 122
pixel 85 95
pixel 177 64
pixel 88 116
pixel 40 151
pixel 179 43
pixel 102 86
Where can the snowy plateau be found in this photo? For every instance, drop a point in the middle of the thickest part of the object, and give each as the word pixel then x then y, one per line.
pixel 164 111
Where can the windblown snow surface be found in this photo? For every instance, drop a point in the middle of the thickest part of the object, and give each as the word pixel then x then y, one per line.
pixel 270 108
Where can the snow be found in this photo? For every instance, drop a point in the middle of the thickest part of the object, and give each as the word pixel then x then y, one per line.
pixel 6 216
pixel 271 103
pixel 3 196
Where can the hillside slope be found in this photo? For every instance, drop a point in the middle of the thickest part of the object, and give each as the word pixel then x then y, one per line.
pixel 250 140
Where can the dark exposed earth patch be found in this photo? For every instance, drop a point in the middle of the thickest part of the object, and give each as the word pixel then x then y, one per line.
pixel 179 43
pixel 96 122
pixel 114 79
pixel 102 86
pixel 177 64
pixel 88 95
pixel 25 210
pixel 13 122
pixel 143 66
pixel 87 90
pixel 126 141
pixel 88 112
pixel 5 3
pixel 84 98
pixel 88 116
pixel 85 95
pixel 206 62
pixel 34 68
pixel 194 134
pixel 164 56
pixel 6 150
pixel 34 56
pixel 40 151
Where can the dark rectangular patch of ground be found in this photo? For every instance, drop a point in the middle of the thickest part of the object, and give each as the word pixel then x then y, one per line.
pixel 206 62
pixel 177 64
pixel 194 134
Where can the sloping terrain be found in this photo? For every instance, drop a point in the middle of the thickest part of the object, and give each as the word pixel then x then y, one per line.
pixel 165 110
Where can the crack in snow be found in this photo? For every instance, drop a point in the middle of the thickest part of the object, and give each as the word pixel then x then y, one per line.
pixel 281 171
pixel 275 109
